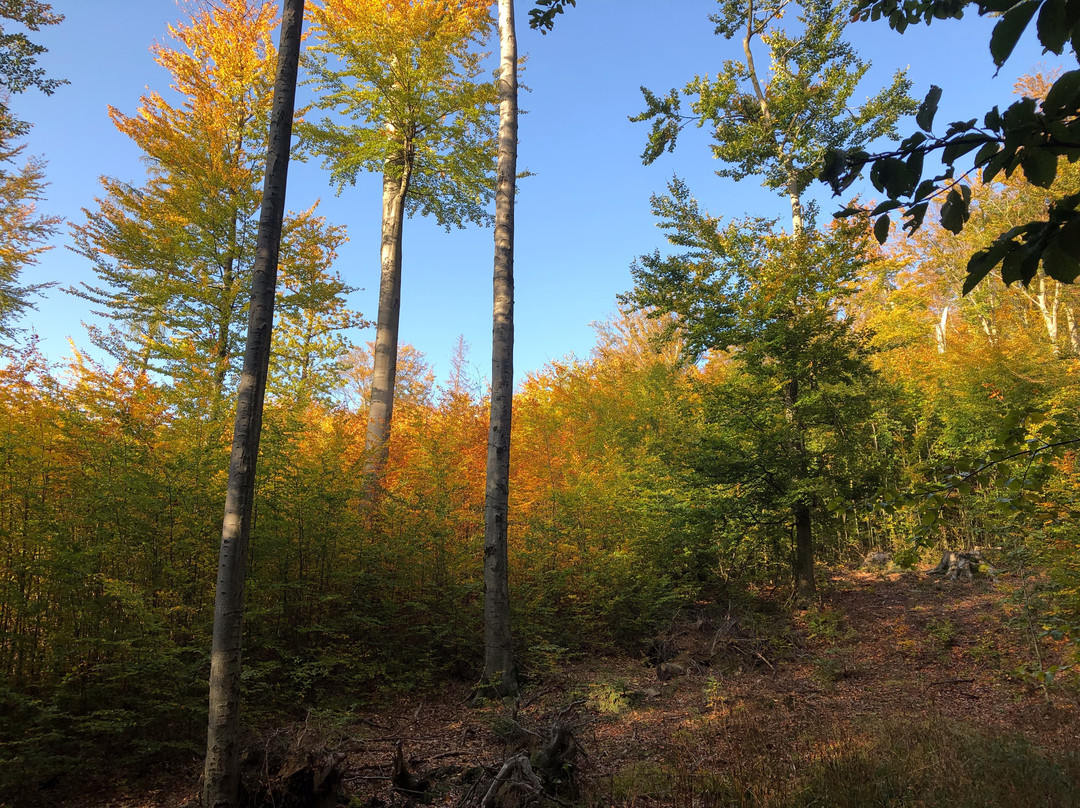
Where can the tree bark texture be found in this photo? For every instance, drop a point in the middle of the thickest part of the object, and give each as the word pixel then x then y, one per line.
pixel 804 552
pixel 222 769
pixel 803 566
pixel 384 374
pixel 498 652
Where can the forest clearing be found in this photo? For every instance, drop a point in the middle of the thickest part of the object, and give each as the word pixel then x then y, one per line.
pixel 898 688
pixel 250 558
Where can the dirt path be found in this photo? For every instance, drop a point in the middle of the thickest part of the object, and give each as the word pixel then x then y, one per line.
pixel 885 664
pixel 895 689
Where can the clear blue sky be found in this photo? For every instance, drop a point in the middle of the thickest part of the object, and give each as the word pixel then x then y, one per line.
pixel 581 220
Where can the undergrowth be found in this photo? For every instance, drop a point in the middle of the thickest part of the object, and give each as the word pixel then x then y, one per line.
pixel 889 764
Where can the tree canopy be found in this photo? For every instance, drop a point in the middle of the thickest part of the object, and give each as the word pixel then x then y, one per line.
pixel 1032 135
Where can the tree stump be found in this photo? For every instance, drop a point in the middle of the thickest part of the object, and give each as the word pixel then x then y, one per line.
pixel 515 786
pixel 955 565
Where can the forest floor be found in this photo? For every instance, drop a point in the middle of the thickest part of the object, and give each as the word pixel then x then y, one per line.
pixel 897 688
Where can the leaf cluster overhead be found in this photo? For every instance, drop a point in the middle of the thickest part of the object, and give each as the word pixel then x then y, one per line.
pixel 403 78
pixel 1032 136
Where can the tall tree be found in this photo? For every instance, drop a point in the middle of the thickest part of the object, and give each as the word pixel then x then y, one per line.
pixel 498 650
pixel 780 129
pixel 310 346
pixel 23 231
pixel 174 256
pixel 405 73
pixel 222 769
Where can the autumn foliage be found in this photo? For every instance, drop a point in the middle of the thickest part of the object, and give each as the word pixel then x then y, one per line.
pixel 650 477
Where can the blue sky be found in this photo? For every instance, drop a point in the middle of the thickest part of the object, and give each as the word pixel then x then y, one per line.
pixel 581 220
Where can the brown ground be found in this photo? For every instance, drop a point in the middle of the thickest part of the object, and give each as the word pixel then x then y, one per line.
pixel 882 654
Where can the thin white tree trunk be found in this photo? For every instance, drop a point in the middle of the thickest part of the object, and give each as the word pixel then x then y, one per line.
pixel 1048 309
pixel 940 333
pixel 221 783
pixel 1070 324
pixel 498 653
pixel 795 196
pixel 384 372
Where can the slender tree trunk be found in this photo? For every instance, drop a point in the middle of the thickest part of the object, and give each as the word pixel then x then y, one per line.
pixel 804 552
pixel 384 374
pixel 940 334
pixel 795 195
pixel 1070 323
pixel 222 770
pixel 498 653
pixel 803 566
pixel 1048 309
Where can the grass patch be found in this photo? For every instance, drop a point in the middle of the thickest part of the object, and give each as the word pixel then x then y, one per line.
pixel 824 625
pixel 891 765
pixel 608 698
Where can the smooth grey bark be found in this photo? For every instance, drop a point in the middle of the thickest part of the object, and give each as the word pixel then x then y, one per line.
pixel 221 775
pixel 384 373
pixel 499 670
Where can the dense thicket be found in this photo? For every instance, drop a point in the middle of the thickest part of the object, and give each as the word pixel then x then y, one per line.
pixel 666 469
pixel 625 507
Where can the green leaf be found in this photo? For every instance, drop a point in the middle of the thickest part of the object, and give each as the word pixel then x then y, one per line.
pixel 1039 165
pixel 1064 96
pixel 1009 28
pixel 1052 29
pixel 886 206
pixel 926 187
pixel 961 146
pixel 1011 267
pixel 954 212
pixel 978 267
pixel 924 118
pixel 881 228
pixel 987 151
pixel 1057 263
pixel 1069 237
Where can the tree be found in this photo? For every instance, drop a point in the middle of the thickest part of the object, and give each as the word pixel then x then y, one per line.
pixel 222 769
pixel 174 256
pixel 543 15
pixel 407 82
pixel 309 348
pixel 18 56
pixel 23 232
pixel 775 302
pixel 1031 135
pixel 780 129
pixel 498 649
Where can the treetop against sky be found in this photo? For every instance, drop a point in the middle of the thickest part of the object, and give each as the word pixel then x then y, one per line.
pixel 581 220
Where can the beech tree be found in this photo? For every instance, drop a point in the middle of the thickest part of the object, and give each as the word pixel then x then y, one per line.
pixel 23 231
pixel 780 128
pixel 174 256
pixel 405 77
pixel 498 649
pixel 776 302
pixel 221 775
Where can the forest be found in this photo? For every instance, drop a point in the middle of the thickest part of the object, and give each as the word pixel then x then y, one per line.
pixel 801 529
